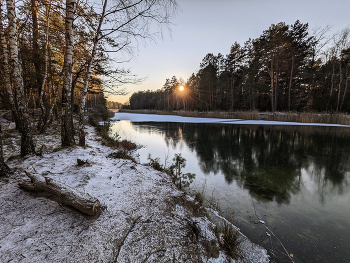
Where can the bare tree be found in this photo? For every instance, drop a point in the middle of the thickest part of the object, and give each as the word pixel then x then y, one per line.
pixel 125 20
pixel 342 42
pixel 6 68
pixel 44 79
pixel 67 129
pixel 27 143
pixel 87 78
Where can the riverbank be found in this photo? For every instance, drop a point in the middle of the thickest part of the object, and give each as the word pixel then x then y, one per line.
pixel 301 117
pixel 145 218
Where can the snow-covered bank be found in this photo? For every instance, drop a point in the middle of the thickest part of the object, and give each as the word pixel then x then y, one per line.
pixel 145 218
pixel 136 117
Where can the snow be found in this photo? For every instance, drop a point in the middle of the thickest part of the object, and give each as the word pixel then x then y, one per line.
pixel 251 252
pixel 144 216
pixel 135 117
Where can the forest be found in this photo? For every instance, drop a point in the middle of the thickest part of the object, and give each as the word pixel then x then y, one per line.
pixel 60 58
pixel 287 68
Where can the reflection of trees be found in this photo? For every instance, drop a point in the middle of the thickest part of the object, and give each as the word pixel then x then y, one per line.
pixel 266 160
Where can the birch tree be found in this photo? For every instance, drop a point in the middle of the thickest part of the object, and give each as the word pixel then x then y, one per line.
pixel 87 78
pixel 67 129
pixel 125 20
pixel 4 169
pixel 6 68
pixel 27 143
pixel 43 120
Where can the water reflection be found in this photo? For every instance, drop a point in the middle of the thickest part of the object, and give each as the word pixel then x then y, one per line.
pixel 294 178
pixel 265 160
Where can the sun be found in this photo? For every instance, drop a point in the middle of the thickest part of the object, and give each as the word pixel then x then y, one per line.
pixel 181 88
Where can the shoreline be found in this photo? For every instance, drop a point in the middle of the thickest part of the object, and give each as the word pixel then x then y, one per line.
pixel 284 117
pixel 145 117
pixel 145 217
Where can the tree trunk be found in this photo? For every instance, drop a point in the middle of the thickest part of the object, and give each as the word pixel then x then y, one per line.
pixel 6 70
pixel 27 143
pixel 4 169
pixel 35 42
pixel 290 83
pixel 67 195
pixel 332 84
pixel 46 56
pixel 277 82
pixel 67 129
pixel 272 81
pixel 86 85
pixel 48 114
pixel 340 82
pixel 346 85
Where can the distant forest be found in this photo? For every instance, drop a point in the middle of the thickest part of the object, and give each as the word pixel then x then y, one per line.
pixel 288 68
pixel 114 105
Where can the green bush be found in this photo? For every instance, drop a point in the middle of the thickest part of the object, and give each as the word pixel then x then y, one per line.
pixel 181 180
pixel 155 163
pixel 103 112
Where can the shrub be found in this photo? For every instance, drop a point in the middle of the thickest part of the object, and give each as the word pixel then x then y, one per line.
pixel 229 241
pixel 111 114
pixel 199 198
pixel 121 154
pixel 155 163
pixel 128 145
pixel 103 112
pixel 92 121
pixel 104 132
pixel 181 180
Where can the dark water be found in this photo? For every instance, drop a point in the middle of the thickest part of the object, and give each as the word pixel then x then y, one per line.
pixel 295 179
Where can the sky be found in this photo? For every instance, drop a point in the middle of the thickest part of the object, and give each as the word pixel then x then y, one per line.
pixel 212 26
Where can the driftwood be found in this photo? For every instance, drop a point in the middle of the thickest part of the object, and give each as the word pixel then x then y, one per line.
pixel 67 195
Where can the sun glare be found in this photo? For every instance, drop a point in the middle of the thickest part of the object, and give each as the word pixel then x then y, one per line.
pixel 181 88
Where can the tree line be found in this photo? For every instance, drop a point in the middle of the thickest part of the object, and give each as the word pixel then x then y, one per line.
pixel 114 105
pixel 55 56
pixel 287 68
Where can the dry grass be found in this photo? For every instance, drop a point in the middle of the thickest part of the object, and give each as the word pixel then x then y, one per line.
pixel 128 145
pixel 246 115
pixel 122 154
pixel 304 117
pixel 229 241
pixel 309 117
pixel 111 113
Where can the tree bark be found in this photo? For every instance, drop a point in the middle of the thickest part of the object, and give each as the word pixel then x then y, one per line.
pixel 67 129
pixel 290 83
pixel 4 169
pixel 88 73
pixel 48 114
pixel 346 86
pixel 340 82
pixel 272 81
pixel 276 82
pixel 6 69
pixel 46 57
pixel 67 195
pixel 36 56
pixel 27 143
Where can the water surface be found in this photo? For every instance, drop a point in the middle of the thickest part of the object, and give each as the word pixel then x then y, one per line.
pixel 294 178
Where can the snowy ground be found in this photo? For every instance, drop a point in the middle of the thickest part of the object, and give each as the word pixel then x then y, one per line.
pixel 144 217
pixel 174 118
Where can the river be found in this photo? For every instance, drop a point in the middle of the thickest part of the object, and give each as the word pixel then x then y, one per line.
pixel 295 179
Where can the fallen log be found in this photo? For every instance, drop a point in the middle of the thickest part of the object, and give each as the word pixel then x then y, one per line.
pixel 67 195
